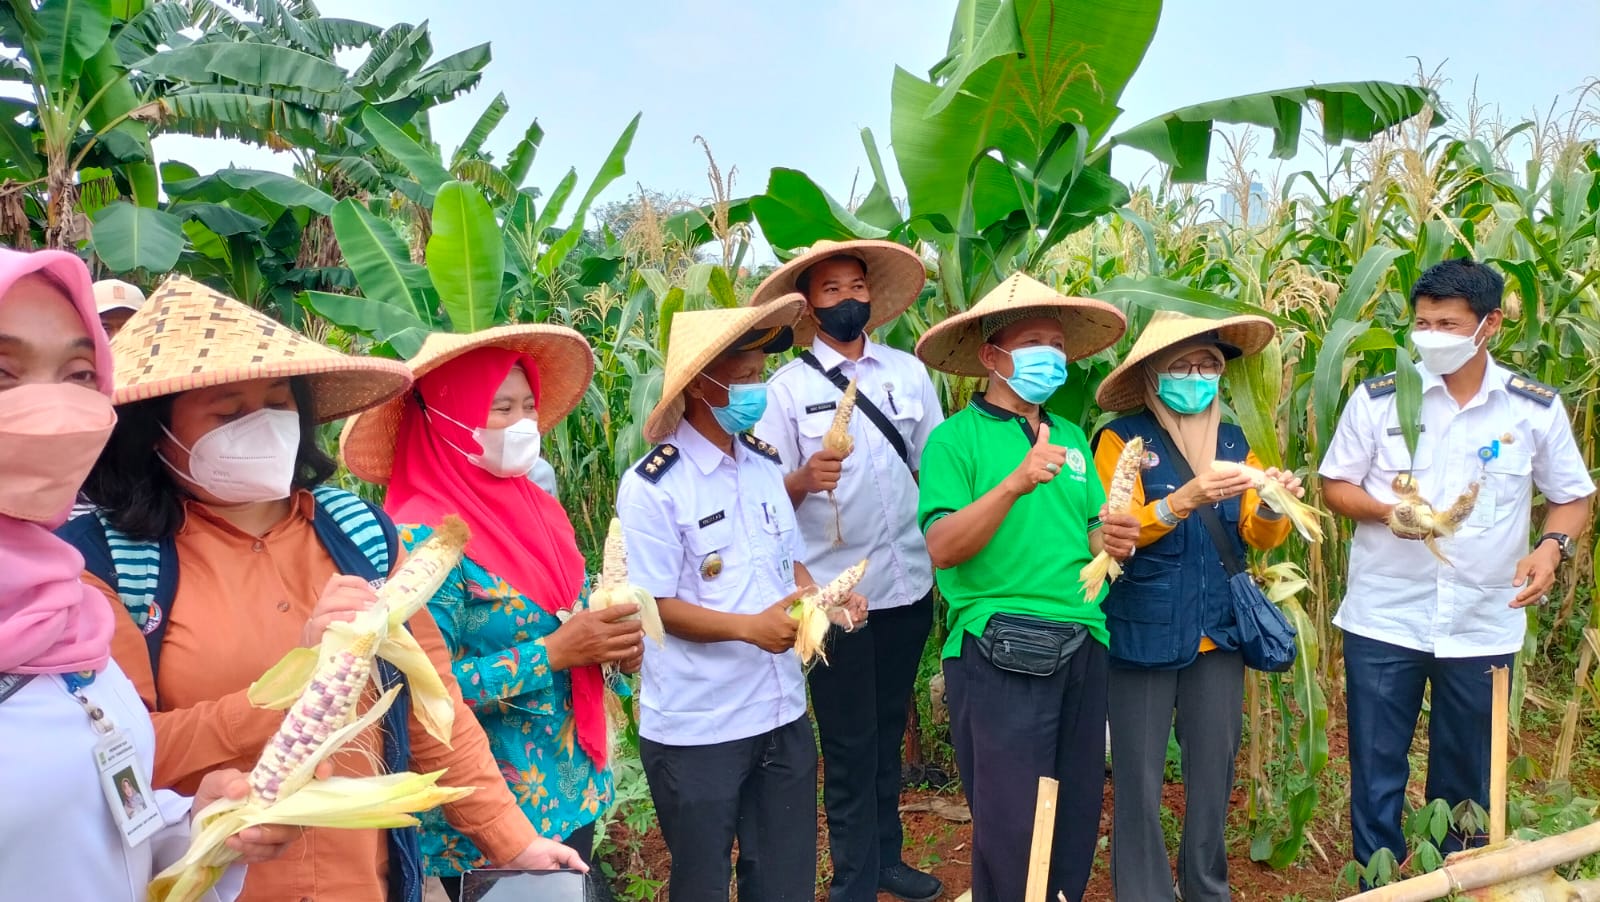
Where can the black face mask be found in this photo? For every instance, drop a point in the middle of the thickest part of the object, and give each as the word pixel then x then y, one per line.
pixel 844 321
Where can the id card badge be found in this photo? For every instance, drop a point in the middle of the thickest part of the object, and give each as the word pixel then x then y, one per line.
pixel 1482 516
pixel 128 795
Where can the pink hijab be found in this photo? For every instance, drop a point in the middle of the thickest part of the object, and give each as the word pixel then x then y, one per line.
pixel 50 622
pixel 519 533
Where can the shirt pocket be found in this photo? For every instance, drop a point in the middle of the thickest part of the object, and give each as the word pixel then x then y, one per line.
pixel 1504 487
pixel 710 557
pixel 1393 458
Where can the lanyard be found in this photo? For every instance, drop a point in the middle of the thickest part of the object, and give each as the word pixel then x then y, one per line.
pixel 76 682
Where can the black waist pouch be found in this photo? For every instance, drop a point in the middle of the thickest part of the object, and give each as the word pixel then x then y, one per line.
pixel 1028 645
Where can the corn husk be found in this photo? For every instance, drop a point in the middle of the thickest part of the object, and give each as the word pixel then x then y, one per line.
pixel 1119 497
pixel 355 803
pixel 812 611
pixel 613 588
pixel 1306 519
pixel 1414 518
pixel 838 439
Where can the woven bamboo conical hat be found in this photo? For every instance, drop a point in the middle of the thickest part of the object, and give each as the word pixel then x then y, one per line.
pixel 1244 335
pixel 952 345
pixel 565 363
pixel 698 337
pixel 895 275
pixel 188 336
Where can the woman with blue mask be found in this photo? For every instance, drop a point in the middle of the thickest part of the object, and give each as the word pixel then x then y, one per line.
pixel 1174 661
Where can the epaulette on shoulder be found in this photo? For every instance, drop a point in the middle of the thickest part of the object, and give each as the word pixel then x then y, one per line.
pixel 1519 384
pixel 655 465
pixel 760 447
pixel 1379 386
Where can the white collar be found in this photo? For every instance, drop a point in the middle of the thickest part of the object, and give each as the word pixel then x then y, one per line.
pixel 699 449
pixel 830 358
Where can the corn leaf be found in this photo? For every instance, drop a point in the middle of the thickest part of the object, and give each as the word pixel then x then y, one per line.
pixel 1408 399
pixel 278 688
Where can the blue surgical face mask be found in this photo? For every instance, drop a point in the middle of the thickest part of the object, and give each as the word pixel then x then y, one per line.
pixel 747 401
pixel 1036 373
pixel 1189 395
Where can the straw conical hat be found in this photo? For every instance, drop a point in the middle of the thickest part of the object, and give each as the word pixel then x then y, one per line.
pixel 952 346
pixel 188 336
pixel 895 275
pixel 566 365
pixel 697 337
pixel 1124 388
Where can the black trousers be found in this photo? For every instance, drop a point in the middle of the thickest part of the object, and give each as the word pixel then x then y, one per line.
pixel 1009 730
pixel 581 840
pixel 1383 692
pixel 860 700
pixel 762 790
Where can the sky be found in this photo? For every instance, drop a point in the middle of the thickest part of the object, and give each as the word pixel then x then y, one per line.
pixel 771 83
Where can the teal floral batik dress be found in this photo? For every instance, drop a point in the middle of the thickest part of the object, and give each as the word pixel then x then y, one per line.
pixel 496 639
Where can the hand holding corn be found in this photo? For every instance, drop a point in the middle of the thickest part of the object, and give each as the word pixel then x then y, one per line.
pixel 1119 500
pixel 1281 492
pixel 322 688
pixel 773 630
pixel 1041 464
pixel 838 441
pixel 815 609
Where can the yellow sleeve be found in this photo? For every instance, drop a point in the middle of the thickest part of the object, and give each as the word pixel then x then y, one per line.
pixel 1260 532
pixel 1106 451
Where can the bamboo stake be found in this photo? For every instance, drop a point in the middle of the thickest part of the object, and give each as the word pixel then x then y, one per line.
pixel 1044 834
pixel 1489 867
pixel 1497 755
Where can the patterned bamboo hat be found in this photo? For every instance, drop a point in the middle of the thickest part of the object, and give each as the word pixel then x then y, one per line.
pixel 189 336
pixel 895 275
pixel 564 359
pixel 952 346
pixel 699 336
pixel 1238 336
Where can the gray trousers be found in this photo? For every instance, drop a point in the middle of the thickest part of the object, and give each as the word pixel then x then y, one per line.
pixel 1205 701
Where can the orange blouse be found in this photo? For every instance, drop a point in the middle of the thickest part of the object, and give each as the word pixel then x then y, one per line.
pixel 241 604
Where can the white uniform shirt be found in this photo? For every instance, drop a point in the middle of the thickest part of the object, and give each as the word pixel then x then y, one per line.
pixel 1400 593
pixel 877 497
pixel 57 836
pixel 714 531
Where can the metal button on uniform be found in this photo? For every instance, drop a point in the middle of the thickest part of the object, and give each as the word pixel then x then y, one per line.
pixel 283 606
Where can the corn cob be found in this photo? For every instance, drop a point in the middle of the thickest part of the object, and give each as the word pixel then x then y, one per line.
pixel 1273 494
pixel 814 611
pixel 321 688
pixel 1456 516
pixel 838 439
pixel 613 588
pixel 1119 498
pixel 1413 517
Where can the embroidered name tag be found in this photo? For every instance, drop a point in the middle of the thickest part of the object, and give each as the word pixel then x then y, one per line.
pixel 1396 430
pixel 717 517
pixel 819 408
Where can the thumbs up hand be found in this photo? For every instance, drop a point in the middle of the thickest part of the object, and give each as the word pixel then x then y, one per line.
pixel 1043 462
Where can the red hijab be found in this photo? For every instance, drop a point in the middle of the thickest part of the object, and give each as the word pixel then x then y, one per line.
pixel 519 533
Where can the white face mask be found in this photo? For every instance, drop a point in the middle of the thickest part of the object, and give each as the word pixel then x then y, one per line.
pixel 246 461
pixel 509 453
pixel 1443 352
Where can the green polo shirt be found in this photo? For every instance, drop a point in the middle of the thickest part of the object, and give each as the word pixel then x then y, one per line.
pixel 1031 565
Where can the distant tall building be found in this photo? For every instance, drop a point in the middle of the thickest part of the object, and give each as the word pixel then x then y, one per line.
pixel 1258 206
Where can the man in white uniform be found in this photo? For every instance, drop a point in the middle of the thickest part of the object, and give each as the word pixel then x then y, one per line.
pixel 724 738
pixel 861 697
pixel 1409 619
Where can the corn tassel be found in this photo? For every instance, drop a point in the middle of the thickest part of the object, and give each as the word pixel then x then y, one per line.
pixel 1119 497
pixel 813 611
pixel 322 688
pixel 838 439
pixel 1306 519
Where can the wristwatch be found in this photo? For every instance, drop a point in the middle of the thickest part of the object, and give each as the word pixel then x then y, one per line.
pixel 1563 542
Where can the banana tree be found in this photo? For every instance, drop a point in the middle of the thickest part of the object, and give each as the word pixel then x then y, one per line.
pixel 1005 147
pixel 80 111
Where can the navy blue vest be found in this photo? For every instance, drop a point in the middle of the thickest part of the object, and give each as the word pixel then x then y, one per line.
pixel 1174 590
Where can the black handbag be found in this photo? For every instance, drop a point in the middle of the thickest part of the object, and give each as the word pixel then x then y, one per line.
pixel 1028 645
pixel 1266 640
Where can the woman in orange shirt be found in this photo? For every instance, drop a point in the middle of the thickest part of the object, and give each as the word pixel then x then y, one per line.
pixel 1174 658
pixel 227 553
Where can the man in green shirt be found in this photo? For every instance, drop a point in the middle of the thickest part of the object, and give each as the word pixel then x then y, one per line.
pixel 1013 510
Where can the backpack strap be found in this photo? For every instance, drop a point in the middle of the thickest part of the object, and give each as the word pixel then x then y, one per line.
pixel 143 573
pixel 364 542
pixel 863 404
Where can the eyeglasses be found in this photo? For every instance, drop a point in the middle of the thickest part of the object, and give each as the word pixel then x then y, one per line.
pixel 1208 369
